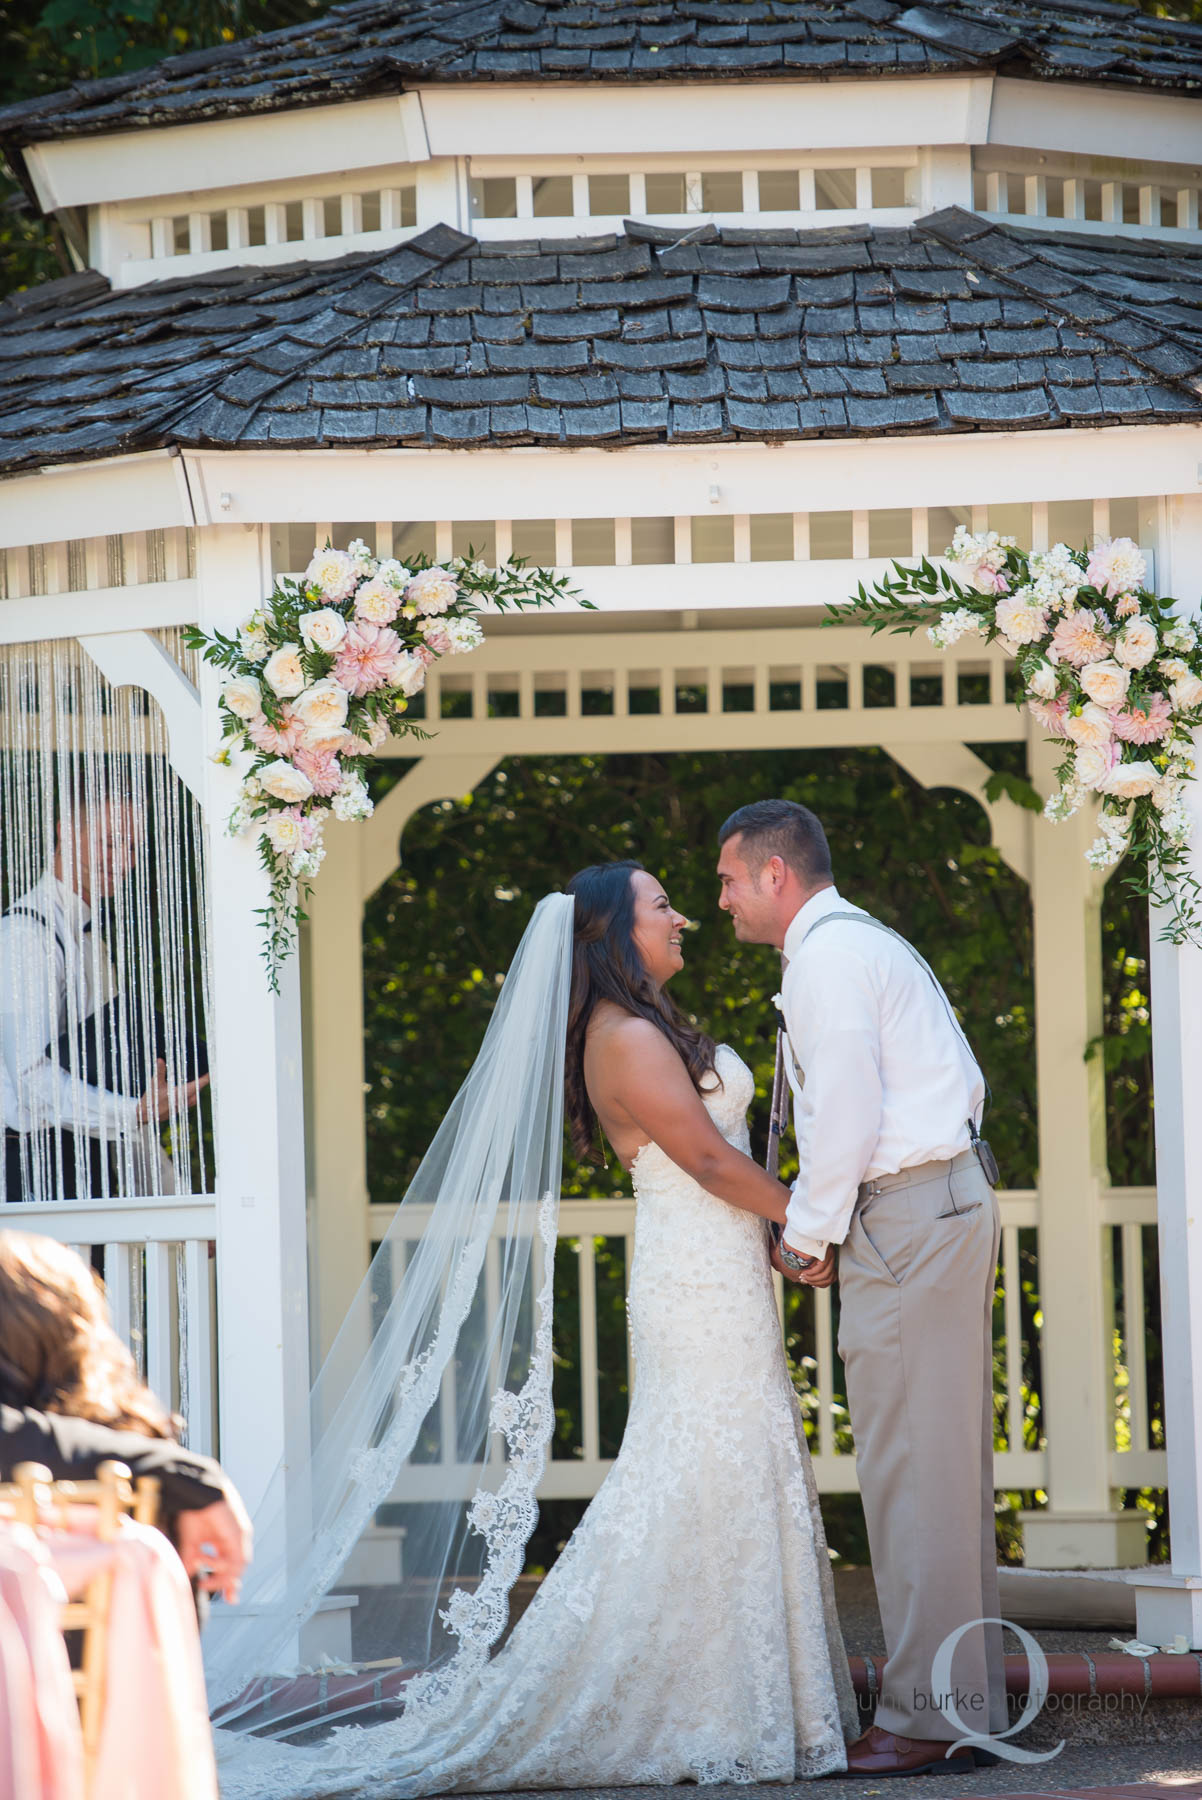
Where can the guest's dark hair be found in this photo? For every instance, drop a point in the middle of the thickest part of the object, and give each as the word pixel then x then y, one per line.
pixel 781 828
pixel 606 966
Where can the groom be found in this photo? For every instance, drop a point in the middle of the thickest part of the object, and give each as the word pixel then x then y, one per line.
pixel 887 1096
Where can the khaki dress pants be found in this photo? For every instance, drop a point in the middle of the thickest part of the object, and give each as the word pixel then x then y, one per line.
pixel 916 1280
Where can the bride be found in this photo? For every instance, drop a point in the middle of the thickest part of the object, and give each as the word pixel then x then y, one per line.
pixel 688 1629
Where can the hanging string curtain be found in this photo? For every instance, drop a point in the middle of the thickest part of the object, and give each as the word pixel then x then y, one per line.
pixel 103 965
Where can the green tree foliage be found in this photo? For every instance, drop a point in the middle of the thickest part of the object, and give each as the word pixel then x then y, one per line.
pixel 47 45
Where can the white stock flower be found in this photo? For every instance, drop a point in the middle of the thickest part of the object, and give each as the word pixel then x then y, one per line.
pixel 333 571
pixel 352 801
pixel 1179 636
pixel 1019 618
pixel 283 832
pixel 393 572
pixel 1043 682
pixel 959 623
pixel 1090 726
pixel 322 709
pixel 432 590
pixel 243 695
pixel 1114 833
pixel 360 552
pixel 323 629
pixel 306 863
pixel 1106 682
pixel 1136 643
pixel 252 638
pixel 1064 803
pixel 252 788
pixel 1128 780
pixel 1175 823
pixel 283 782
pixel 464 635
pixel 283 672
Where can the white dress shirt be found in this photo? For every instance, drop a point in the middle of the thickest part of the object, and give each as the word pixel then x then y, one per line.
pixel 53 976
pixel 882 1078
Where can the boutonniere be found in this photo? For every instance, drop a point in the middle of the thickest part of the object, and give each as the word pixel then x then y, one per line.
pixel 778 1000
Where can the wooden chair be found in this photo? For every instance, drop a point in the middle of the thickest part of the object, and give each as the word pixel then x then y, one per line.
pixel 33 1499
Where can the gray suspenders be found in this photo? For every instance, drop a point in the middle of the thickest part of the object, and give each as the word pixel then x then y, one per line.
pixel 981 1149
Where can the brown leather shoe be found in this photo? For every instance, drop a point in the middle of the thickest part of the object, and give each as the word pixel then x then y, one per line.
pixel 879 1752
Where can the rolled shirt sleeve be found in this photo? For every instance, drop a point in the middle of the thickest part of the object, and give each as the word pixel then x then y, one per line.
pixel 832 1017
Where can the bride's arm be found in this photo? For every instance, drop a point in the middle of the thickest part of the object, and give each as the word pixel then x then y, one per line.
pixel 644 1076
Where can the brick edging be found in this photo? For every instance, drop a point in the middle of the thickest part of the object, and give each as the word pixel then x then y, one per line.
pixel 1159 1676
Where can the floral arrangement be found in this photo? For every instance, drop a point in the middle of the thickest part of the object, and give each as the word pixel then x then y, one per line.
pixel 316 680
pixel 1108 670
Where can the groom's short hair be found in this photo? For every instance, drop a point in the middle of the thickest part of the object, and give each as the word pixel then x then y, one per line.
pixel 781 828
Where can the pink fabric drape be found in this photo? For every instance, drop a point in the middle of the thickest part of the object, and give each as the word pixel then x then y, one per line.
pixel 155 1743
pixel 41 1750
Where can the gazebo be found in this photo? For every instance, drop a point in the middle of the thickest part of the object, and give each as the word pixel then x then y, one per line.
pixel 716 307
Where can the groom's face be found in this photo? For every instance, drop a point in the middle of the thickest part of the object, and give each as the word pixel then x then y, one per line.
pixel 749 899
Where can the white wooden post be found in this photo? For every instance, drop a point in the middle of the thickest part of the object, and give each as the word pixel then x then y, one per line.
pixel 1168 1602
pixel 338 1243
pixel 1080 1527
pixel 258 1111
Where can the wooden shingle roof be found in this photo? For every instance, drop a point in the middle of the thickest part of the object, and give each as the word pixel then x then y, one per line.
pixel 370 47
pixel 953 325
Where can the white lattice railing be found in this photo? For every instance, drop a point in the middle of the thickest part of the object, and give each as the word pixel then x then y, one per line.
pixel 1022 1466
pixel 159 1274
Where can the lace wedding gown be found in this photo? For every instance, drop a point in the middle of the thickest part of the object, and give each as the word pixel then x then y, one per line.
pixel 687 1631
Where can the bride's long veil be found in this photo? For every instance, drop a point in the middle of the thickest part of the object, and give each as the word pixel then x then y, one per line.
pixel 433 1403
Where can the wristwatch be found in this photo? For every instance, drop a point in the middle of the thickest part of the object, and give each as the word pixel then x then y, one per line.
pixel 796 1265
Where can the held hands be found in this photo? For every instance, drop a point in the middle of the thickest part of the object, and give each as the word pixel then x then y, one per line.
pixel 819 1274
pixel 156 1102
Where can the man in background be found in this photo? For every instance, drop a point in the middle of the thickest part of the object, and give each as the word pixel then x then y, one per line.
pixel 74 1089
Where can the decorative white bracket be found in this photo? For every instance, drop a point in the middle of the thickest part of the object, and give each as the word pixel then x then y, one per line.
pixel 136 659
pixel 956 766
pixel 434 778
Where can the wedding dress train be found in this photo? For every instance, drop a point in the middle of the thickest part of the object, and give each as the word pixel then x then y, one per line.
pixel 688 1629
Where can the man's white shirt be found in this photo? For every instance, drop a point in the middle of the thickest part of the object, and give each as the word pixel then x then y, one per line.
pixel 52 976
pixel 882 1079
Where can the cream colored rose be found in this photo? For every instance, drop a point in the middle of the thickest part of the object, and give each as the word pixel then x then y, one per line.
pixel 1128 780
pixel 1136 643
pixel 378 602
pixel 334 572
pixel 1186 693
pixel 243 696
pixel 1093 763
pixel 1090 726
pixel 283 782
pixel 284 833
pixel 1043 683
pixel 323 629
pixel 409 674
pixel 322 711
pixel 1106 682
pixel 283 673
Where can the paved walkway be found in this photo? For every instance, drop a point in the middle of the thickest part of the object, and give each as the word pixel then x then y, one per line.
pixel 1150 1773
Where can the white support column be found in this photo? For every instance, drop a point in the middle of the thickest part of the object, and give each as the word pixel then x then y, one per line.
pixel 258 1110
pixel 1080 1527
pixel 337 1160
pixel 1168 1602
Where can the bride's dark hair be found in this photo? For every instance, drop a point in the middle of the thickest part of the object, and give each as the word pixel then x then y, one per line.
pixel 606 966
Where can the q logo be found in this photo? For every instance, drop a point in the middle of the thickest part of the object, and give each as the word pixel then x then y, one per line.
pixel 1037 1692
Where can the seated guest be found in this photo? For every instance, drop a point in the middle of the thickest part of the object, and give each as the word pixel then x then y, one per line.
pixel 70 1398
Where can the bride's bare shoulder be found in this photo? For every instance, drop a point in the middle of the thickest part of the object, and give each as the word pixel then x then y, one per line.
pixel 616 1038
